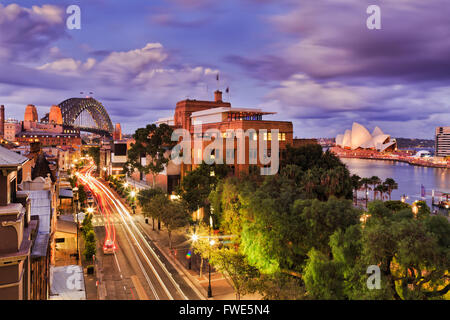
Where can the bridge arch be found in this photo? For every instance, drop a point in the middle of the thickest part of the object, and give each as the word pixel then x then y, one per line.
pixel 73 107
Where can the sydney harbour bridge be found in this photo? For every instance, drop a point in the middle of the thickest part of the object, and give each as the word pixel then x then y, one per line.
pixel 85 114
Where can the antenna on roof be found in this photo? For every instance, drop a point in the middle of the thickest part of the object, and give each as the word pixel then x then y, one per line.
pixel 227 91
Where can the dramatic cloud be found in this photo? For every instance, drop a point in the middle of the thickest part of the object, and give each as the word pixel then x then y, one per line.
pixel 313 62
pixel 333 40
pixel 332 104
pixel 139 78
pixel 27 33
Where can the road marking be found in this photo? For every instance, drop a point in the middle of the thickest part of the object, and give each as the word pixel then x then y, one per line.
pixel 141 266
pixel 122 211
pixel 115 203
pixel 117 263
pixel 139 288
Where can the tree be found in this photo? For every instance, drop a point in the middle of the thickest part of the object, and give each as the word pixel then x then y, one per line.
pixel 73 180
pixel 90 246
pixel 397 205
pixel 391 185
pixel 322 219
pixel 152 142
pixel 197 185
pixel 280 286
pixel 174 215
pixel 235 267
pixel 365 182
pixel 152 202
pixel 308 156
pixel 412 254
pixel 374 181
pixel 228 199
pixel 381 189
pixel 323 277
pixel 82 197
pixel 94 152
pixel 319 174
pixel 87 224
pixel 356 185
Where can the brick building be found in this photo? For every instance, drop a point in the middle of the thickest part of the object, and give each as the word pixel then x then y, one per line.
pixel 221 116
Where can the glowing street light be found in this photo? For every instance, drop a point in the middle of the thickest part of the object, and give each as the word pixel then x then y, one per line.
pixel 90 210
pixel 133 194
pixel 415 208
pixel 194 237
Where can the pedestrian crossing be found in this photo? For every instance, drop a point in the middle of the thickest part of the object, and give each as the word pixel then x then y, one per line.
pixel 98 220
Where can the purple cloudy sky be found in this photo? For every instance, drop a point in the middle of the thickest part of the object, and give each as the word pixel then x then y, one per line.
pixel 313 61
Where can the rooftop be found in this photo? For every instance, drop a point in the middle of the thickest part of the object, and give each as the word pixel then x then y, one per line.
pixel 67 283
pixel 229 109
pixel 10 158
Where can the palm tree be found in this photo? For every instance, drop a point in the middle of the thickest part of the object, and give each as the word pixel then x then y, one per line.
pixel 356 185
pixel 391 185
pixel 381 188
pixel 366 182
pixel 375 181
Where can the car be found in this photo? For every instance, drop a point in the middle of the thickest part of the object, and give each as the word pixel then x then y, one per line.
pixel 109 247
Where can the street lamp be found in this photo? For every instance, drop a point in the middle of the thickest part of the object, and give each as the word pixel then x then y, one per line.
pixel 415 208
pixel 211 243
pixel 133 198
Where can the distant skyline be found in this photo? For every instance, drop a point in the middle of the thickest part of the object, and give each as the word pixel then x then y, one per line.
pixel 313 62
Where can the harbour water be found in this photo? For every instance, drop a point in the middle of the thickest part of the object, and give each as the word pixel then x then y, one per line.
pixel 409 177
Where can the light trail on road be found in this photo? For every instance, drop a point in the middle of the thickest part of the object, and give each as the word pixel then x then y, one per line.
pixel 131 232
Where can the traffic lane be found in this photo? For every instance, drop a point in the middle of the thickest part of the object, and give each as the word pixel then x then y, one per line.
pixel 128 251
pixel 171 286
pixel 151 265
pixel 128 259
pixel 125 259
pixel 117 287
pixel 187 290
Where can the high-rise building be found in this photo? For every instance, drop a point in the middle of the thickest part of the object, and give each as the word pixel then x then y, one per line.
pixel 442 142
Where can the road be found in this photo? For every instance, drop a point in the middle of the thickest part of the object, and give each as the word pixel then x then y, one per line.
pixel 136 270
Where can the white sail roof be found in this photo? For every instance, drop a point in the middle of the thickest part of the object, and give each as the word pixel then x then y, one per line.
pixel 360 137
pixel 347 141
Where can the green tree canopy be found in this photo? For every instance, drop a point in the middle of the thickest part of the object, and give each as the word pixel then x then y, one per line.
pixel 152 142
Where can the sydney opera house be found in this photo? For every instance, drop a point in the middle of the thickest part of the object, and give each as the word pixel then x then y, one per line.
pixel 360 138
